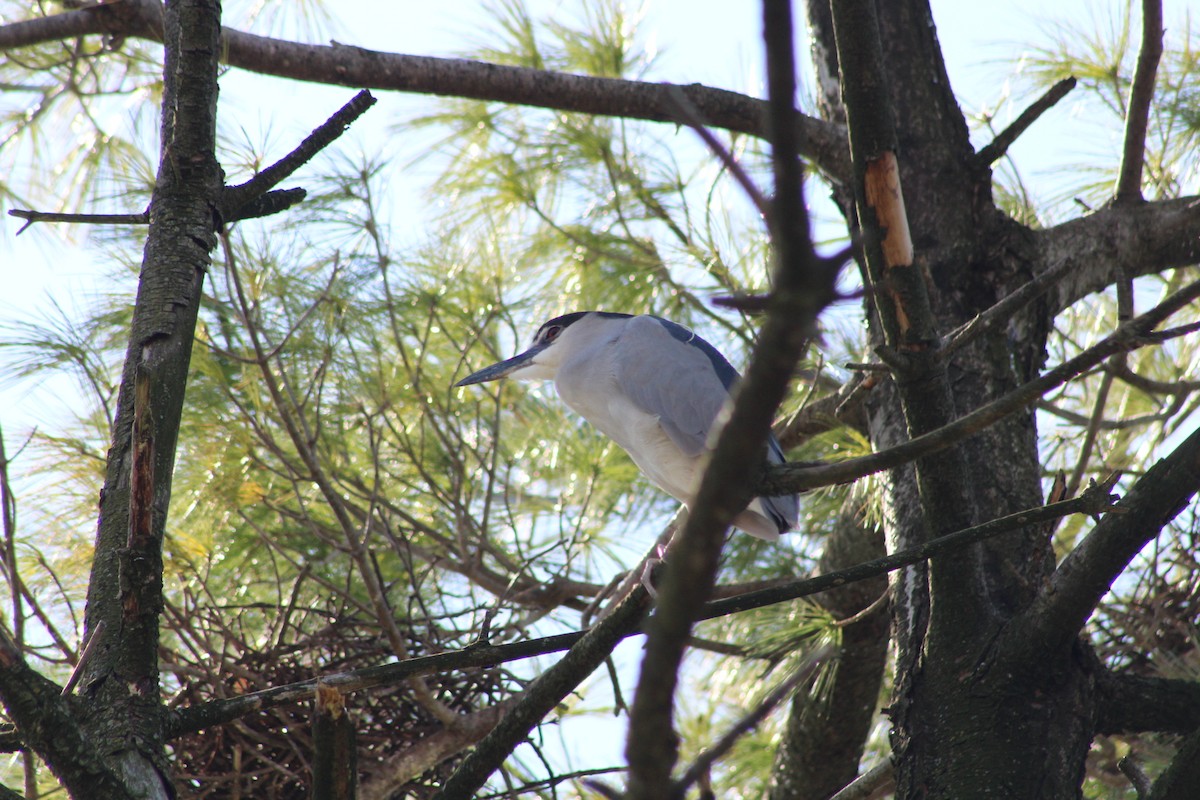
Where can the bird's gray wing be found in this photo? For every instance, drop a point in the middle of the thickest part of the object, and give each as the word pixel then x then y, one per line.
pixel 675 375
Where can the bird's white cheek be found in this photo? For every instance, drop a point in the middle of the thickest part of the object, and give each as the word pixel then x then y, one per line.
pixel 532 371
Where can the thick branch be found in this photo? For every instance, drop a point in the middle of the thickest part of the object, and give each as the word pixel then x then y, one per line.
pixel 820 142
pixel 47 726
pixel 1087 573
pixel 120 684
pixel 1135 704
pixel 1141 239
pixel 900 295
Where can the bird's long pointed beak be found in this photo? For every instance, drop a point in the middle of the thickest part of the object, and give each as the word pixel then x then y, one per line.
pixel 497 371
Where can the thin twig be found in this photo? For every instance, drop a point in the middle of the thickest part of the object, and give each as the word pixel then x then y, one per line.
pixel 1149 385
pixel 31 217
pixel 876 604
pixel 750 721
pixel 1139 421
pixel 1090 434
pixel 1002 311
pixel 528 789
pixel 679 102
pixel 865 785
pixel 89 647
pixel 1004 140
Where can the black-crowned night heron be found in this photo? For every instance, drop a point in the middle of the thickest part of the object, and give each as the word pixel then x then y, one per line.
pixel 653 387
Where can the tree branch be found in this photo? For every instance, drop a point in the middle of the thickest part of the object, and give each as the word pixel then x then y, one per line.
pixel 825 733
pixel 31 216
pixel 711 755
pixel 218 712
pixel 1003 310
pixel 1094 500
pixel 1054 619
pixel 1181 777
pixel 44 720
pixel 820 142
pixel 996 149
pixel 388 779
pixel 1137 113
pixel 262 206
pixel 804 285
pixel 248 200
pixel 869 784
pixel 1135 704
pixel 234 199
pixel 1140 239
pixel 544 694
pixel 120 684
pixel 900 294
pixel 1130 336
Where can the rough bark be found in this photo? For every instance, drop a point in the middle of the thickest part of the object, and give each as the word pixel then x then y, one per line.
pixel 120 683
pixel 963 726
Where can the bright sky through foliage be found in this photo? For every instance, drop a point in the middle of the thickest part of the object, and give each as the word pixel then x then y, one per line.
pixel 710 42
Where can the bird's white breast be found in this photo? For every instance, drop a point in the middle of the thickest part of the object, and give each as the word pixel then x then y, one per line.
pixel 587 383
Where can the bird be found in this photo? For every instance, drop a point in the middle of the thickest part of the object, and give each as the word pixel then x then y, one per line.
pixel 652 386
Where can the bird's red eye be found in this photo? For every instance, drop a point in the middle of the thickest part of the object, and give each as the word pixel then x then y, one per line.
pixel 552 333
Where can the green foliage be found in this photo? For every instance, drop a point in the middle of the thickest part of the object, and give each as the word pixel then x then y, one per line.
pixel 1101 53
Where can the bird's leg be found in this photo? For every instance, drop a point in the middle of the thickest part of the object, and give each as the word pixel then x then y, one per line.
pixel 645 571
pixel 651 567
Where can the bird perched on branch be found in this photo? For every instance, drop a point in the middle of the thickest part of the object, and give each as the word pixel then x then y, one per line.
pixel 652 386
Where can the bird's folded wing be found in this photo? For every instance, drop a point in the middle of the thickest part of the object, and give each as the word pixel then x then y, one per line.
pixel 672 379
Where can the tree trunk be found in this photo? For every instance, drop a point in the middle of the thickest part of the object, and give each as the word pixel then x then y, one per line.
pixel 961 729
pixel 120 682
pixel 825 737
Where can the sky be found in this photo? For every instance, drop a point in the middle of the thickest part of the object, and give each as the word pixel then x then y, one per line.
pixel 714 42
